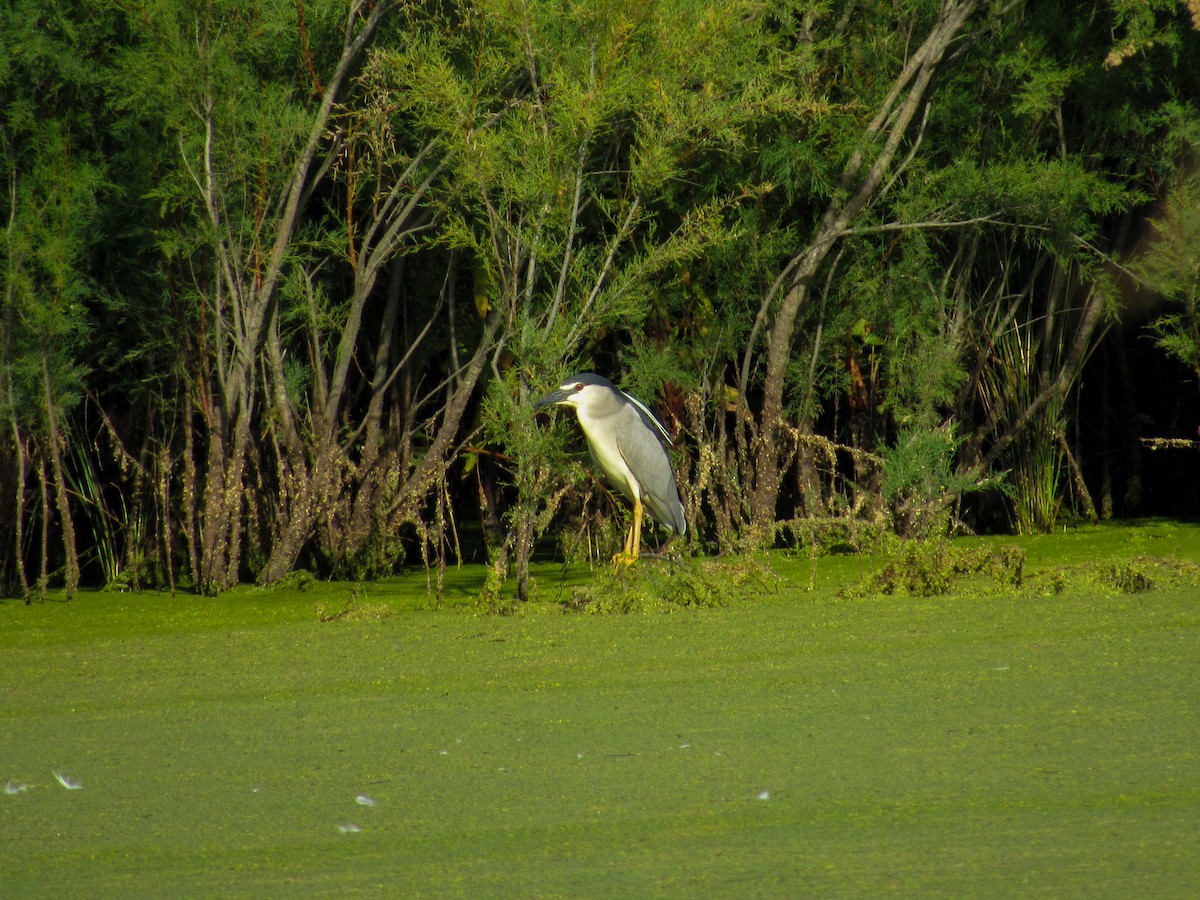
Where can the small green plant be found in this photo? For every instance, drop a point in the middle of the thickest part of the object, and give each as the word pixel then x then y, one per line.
pixel 1037 458
pixel 1170 265
pixel 296 580
pixel 832 535
pixel 933 568
pixel 920 482
pixel 355 609
pixel 1128 577
pixel 108 526
pixel 675 584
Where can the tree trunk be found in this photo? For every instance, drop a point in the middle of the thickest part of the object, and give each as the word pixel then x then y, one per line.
pixel 191 495
pixel 221 508
pixel 891 123
pixel 213 531
pixel 244 342
pixel 436 458
pixel 19 473
pixel 54 445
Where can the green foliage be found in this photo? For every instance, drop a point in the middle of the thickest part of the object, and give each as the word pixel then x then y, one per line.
pixel 49 207
pixel 933 568
pixel 920 480
pixel 1132 575
pixel 1049 200
pixel 567 140
pixel 972 569
pixel 1036 457
pixel 354 609
pixel 673 584
pixel 53 189
pixel 1144 25
pixel 1170 266
pixel 110 524
pixel 543 186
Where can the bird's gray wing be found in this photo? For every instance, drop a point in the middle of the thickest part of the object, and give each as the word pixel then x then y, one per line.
pixel 647 459
pixel 649 418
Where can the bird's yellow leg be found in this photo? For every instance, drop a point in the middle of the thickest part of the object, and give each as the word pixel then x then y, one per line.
pixel 635 549
pixel 633 540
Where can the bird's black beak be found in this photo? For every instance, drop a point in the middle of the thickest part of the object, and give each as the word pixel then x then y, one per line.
pixel 550 399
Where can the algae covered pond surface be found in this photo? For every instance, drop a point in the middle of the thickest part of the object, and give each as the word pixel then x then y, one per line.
pixel 1037 742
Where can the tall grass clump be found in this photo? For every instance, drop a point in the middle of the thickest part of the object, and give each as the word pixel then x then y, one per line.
pixel 1008 387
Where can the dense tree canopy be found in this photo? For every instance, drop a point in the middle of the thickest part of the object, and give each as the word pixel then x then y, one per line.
pixel 279 277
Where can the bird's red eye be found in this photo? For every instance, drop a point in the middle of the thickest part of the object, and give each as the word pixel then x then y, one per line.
pixel 578 386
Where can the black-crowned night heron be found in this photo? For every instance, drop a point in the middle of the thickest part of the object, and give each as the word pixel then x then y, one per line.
pixel 623 437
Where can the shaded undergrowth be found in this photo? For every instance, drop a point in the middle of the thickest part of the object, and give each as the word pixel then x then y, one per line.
pixel 966 567
pixel 933 568
pixel 1136 575
pixel 676 584
pixel 663 585
pixel 939 568
pixel 355 608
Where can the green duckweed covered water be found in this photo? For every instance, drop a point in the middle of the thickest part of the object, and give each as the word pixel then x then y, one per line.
pixel 1041 741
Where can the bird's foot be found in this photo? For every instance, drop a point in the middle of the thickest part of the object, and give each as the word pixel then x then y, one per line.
pixel 624 560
